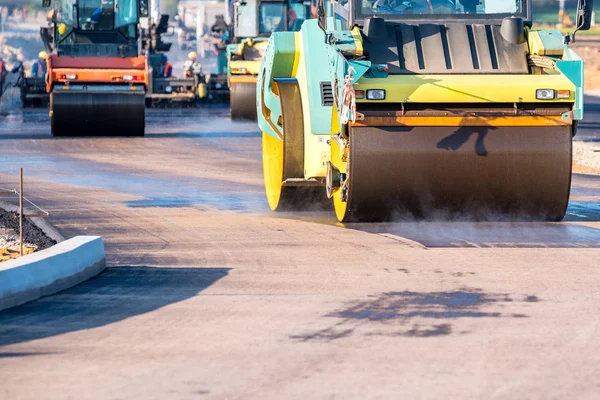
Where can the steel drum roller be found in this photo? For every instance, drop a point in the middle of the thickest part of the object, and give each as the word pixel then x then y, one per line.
pixel 243 101
pixel 485 172
pixel 97 114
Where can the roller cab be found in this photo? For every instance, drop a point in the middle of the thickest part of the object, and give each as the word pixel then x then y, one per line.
pixel 96 78
pixel 435 110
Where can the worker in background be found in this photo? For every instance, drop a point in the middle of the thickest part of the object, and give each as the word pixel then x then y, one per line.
pixel 192 67
pixel 165 67
pixel 39 67
pixel 220 35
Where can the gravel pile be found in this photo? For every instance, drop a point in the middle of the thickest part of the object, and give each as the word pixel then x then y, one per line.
pixel 32 235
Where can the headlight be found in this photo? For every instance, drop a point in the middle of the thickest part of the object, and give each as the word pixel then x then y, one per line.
pixel 376 94
pixel 544 94
pixel 168 89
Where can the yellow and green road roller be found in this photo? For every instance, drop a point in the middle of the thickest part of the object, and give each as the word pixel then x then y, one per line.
pixel 422 107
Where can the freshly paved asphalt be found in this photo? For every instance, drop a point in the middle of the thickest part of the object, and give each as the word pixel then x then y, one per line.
pixel 211 295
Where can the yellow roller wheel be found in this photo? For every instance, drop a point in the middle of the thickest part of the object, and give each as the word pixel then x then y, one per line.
pixel 339 206
pixel 336 173
pixel 279 196
pixel 272 169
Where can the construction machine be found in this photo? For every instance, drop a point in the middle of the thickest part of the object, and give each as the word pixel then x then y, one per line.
pixel 423 108
pixel 33 91
pixel 253 22
pixel 168 91
pixel 97 79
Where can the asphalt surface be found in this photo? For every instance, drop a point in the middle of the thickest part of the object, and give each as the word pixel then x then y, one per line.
pixel 211 295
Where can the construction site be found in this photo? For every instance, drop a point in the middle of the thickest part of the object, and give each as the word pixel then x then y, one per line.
pixel 285 199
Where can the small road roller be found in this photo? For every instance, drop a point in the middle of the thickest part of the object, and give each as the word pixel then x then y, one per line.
pixel 423 108
pixel 253 22
pixel 97 80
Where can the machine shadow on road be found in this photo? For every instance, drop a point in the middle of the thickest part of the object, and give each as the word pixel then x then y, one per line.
pixel 414 314
pixel 115 295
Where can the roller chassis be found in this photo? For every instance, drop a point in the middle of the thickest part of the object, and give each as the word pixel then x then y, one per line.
pixel 407 154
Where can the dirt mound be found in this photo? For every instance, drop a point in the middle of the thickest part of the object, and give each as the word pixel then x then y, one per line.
pixel 32 235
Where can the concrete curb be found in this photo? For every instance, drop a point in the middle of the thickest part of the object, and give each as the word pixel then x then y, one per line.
pixel 49 271
pixel 41 223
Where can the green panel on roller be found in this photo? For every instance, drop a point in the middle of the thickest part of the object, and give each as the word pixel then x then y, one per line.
pixel 278 62
pixel 572 67
pixel 317 71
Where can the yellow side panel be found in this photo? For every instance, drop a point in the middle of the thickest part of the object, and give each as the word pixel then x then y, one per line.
pixel 537 47
pixel 242 79
pixel 250 67
pixel 357 41
pixel 465 88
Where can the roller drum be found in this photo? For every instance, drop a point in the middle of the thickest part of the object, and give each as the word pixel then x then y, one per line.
pixel 243 101
pixel 481 172
pixel 97 114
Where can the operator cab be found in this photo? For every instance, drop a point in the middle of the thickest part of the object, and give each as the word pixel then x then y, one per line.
pixel 98 28
pixel 357 12
pixel 261 18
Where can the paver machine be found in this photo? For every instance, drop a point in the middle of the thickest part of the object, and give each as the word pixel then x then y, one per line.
pixel 96 77
pixel 428 108
pixel 182 91
pixel 253 22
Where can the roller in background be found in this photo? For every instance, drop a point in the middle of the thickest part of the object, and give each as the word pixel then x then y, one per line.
pixel 452 109
pixel 97 80
pixel 253 22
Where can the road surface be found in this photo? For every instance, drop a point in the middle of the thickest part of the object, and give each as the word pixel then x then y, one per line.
pixel 211 295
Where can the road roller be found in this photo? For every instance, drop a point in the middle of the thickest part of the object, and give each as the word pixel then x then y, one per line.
pixel 253 22
pixel 424 109
pixel 97 79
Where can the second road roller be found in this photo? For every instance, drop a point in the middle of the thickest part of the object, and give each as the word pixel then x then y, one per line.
pixel 424 108
pixel 253 22
pixel 96 77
